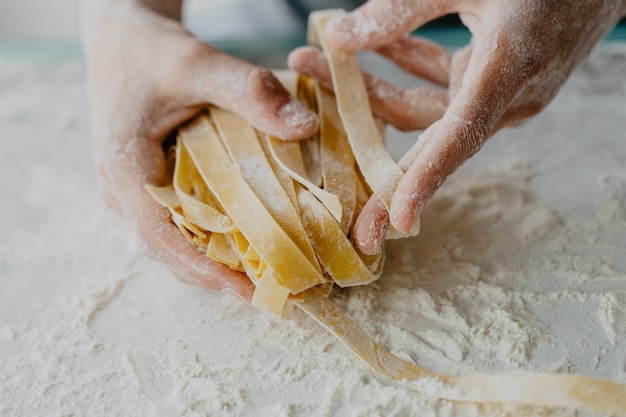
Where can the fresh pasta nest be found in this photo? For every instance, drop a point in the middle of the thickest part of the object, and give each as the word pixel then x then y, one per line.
pixel 282 213
pixel 279 211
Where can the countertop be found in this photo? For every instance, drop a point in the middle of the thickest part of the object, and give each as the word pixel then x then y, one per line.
pixel 520 266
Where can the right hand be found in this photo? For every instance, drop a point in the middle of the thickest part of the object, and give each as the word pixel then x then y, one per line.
pixel 520 55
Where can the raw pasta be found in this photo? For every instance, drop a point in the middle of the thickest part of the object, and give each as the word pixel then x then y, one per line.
pixel 282 212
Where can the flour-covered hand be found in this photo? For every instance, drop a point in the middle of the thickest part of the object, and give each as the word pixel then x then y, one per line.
pixel 406 109
pixel 146 76
pixel 520 55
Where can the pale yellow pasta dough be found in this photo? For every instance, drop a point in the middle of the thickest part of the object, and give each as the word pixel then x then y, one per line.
pixel 282 213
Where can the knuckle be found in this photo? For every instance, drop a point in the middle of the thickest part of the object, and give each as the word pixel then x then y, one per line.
pixel 530 58
pixel 261 80
pixel 153 234
pixel 472 139
pixel 523 112
pixel 530 64
pixel 109 199
pixel 404 127
pixel 148 249
pixel 532 108
pixel 467 138
pixel 407 123
pixel 182 277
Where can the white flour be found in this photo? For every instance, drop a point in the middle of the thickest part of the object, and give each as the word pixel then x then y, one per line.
pixel 520 265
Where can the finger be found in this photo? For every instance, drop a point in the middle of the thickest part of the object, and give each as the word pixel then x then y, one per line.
pixel 488 88
pixel 406 109
pixel 251 91
pixel 379 22
pixel 371 226
pixel 528 103
pixel 165 243
pixel 423 140
pixel 133 162
pixel 420 57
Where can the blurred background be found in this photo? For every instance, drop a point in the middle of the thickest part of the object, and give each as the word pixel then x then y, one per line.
pixel 209 19
pixel 39 19
pixel 260 31
pixel 52 26
pixel 59 19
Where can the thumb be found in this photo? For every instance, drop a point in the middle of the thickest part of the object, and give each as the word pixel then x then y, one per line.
pixel 251 91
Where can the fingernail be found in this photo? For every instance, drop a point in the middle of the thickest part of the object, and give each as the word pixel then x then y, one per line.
pixel 417 221
pixel 402 219
pixel 297 117
pixel 418 212
pixel 370 240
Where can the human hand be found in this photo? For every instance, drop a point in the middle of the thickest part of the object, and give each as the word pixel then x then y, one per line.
pixel 520 55
pixel 146 76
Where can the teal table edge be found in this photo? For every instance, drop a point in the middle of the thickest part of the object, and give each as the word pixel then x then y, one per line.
pixel 448 37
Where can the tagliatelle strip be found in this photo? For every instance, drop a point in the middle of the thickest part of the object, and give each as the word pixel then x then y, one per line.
pixel 380 171
pixel 333 248
pixel 200 207
pixel 290 151
pixel 245 150
pixel 259 231
pixel 221 249
pixel 248 201
pixel 546 390
pixel 338 173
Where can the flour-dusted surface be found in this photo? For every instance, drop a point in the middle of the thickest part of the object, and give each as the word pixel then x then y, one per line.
pixel 520 266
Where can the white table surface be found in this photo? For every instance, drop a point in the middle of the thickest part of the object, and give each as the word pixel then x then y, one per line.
pixel 89 327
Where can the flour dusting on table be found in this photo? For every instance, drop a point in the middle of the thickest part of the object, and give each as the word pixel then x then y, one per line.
pixel 519 266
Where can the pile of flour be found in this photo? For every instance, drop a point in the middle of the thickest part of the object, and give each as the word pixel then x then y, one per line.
pixel 519 266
